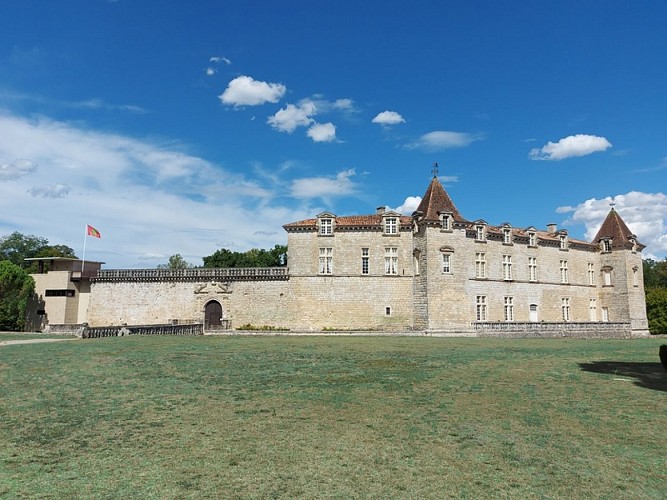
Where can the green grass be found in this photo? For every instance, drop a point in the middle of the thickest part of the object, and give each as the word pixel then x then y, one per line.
pixel 285 417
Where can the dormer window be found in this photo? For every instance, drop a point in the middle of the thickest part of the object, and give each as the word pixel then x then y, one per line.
pixel 479 233
pixel 606 245
pixel 563 241
pixel 532 239
pixel 326 226
pixel 446 222
pixel 507 236
pixel 391 225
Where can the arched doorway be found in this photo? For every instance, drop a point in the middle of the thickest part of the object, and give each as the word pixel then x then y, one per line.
pixel 213 315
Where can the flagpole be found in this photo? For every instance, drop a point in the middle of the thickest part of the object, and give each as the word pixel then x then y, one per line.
pixel 83 257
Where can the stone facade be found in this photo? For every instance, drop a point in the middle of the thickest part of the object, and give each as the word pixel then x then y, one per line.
pixel 434 272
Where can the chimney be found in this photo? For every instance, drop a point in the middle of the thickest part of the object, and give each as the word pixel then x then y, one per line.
pixel 380 210
pixel 551 228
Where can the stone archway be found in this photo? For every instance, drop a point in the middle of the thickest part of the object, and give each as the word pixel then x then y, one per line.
pixel 213 316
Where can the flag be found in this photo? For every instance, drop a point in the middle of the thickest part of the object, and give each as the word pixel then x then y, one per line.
pixel 91 231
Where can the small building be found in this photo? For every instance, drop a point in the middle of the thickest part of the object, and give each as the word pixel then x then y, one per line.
pixel 62 291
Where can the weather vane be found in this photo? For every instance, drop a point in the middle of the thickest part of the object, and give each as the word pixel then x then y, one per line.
pixel 612 204
pixel 435 169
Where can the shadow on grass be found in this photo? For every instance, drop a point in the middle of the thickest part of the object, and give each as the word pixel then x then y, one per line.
pixel 648 375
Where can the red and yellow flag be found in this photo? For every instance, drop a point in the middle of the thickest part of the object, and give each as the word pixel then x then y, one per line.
pixel 91 231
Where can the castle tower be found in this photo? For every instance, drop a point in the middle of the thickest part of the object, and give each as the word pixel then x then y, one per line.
pixel 437 226
pixel 622 278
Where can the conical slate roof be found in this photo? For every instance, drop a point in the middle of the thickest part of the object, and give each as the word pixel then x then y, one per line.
pixel 615 229
pixel 437 200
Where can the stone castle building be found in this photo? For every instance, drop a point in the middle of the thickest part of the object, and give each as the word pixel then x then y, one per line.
pixel 434 272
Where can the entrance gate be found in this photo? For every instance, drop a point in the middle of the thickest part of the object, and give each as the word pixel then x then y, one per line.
pixel 213 316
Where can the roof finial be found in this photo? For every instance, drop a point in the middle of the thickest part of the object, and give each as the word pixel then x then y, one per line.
pixel 435 169
pixel 612 204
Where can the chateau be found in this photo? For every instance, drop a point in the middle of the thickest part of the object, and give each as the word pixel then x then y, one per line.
pixel 434 272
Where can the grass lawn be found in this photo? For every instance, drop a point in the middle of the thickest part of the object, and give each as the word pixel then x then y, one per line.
pixel 379 417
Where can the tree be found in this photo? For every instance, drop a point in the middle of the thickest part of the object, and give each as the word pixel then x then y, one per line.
pixel 655 285
pixel 655 273
pixel 16 287
pixel 176 261
pixel 275 257
pixel 656 310
pixel 17 247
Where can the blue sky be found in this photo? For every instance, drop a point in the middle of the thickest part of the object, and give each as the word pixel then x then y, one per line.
pixel 185 127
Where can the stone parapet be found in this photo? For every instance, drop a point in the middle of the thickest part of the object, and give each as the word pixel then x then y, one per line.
pixel 196 274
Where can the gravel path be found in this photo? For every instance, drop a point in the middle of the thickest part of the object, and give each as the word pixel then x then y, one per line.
pixel 31 341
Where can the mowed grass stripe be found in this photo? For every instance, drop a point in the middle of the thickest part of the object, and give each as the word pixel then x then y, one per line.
pixel 284 417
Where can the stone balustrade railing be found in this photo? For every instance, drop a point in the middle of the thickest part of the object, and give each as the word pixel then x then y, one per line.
pixel 545 330
pixel 195 274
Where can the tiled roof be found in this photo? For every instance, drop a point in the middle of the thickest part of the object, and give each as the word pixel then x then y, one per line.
pixel 523 233
pixel 437 200
pixel 614 228
pixel 349 221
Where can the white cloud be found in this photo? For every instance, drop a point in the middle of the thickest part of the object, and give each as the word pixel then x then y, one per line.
pixel 644 213
pixel 388 118
pixel 218 59
pixel 344 104
pixel 52 191
pixel 443 139
pixel 16 169
pixel 570 146
pixel 145 197
pixel 409 205
pixel 325 187
pixel 291 117
pixel 322 132
pixel 210 71
pixel 246 91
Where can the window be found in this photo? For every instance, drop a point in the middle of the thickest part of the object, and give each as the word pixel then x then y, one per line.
pixel 565 306
pixel 391 260
pixel 592 310
pixel 364 261
pixel 606 246
pixel 326 227
pixel 509 308
pixel 532 239
pixel 532 268
pixel 391 225
pixel 605 314
pixel 507 236
pixel 606 275
pixel 446 263
pixel 59 293
pixel 480 304
pixel 563 241
pixel 446 222
pixel 387 311
pixel 415 256
pixel 507 267
pixel 479 233
pixel 326 260
pixel 480 265
pixel 635 276
pixel 591 273
pixel 564 276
